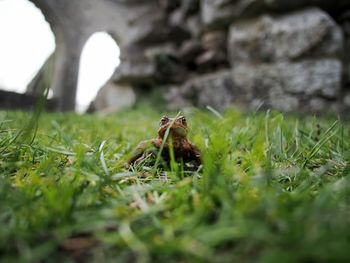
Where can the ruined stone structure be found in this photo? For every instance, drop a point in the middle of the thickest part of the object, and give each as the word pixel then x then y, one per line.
pixel 288 55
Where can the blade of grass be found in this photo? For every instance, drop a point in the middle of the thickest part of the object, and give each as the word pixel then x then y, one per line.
pixel 215 112
pixel 166 135
pixel 320 143
pixel 102 158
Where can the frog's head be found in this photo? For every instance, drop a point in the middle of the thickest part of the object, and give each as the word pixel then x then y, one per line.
pixel 177 127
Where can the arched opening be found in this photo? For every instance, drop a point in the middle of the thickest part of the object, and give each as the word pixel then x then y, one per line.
pixel 100 57
pixel 26 42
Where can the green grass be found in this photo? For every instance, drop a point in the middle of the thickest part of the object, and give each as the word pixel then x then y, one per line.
pixel 273 188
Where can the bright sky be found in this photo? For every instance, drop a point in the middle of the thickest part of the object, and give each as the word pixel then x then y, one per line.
pixel 98 61
pixel 27 40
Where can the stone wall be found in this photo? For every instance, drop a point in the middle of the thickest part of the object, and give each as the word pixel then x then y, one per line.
pixel 15 101
pixel 282 54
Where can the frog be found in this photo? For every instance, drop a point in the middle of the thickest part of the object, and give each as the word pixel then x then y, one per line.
pixel 184 150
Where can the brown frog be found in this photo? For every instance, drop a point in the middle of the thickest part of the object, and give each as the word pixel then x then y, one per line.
pixel 184 150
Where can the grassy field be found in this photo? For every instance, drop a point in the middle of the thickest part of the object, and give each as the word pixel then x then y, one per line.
pixel 273 188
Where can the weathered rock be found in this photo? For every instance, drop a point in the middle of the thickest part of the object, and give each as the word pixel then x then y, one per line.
pixel 190 50
pixel 176 99
pixel 149 26
pixel 346 28
pixel 286 5
pixel 177 17
pixel 145 66
pixel 187 8
pixel 164 49
pixel 344 103
pixel 211 60
pixel 170 5
pixel 309 78
pixel 112 97
pixel 319 77
pixel 346 99
pixel 141 70
pixel 285 60
pixel 178 34
pixel 147 32
pixel 307 86
pixel 155 68
pixel 190 25
pixel 194 25
pixel 284 102
pixel 309 32
pixel 219 13
pixel 216 90
pixel 214 40
pixel 190 6
pixel 318 104
pixel 169 70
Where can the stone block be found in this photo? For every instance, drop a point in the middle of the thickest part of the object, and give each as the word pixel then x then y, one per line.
pixel 112 98
pixel 305 78
pixel 220 13
pixel 307 86
pixel 307 33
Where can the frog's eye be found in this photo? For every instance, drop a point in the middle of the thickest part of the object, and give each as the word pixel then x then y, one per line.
pixel 183 120
pixel 163 120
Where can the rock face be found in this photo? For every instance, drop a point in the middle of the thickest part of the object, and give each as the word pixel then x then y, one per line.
pixel 289 61
pixel 307 78
pixel 283 54
pixel 289 85
pixel 216 13
pixel 286 86
pixel 301 34
pixel 216 90
pixel 112 97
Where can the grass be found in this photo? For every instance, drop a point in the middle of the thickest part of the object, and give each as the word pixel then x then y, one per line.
pixel 273 188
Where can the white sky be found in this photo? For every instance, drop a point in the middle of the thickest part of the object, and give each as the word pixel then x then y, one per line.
pixel 98 61
pixel 26 40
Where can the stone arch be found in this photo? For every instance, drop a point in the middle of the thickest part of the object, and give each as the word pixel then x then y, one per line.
pixel 67 54
pixel 73 22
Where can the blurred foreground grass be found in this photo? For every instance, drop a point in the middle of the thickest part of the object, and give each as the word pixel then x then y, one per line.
pixel 273 188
